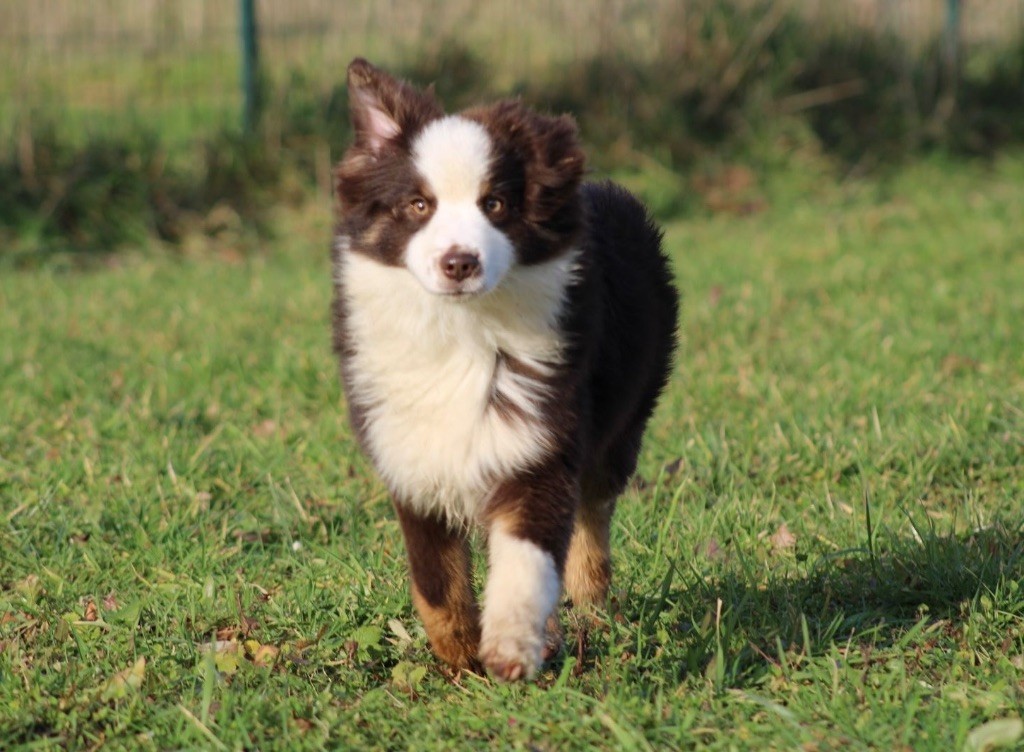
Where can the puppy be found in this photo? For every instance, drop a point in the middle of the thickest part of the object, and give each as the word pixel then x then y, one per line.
pixel 503 331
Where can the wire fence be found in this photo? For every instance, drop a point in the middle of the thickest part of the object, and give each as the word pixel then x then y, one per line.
pixel 177 63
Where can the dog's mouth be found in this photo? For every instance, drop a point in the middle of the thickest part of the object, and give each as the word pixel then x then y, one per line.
pixel 460 290
pixel 461 294
pixel 452 291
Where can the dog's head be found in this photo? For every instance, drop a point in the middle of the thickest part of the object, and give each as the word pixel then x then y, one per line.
pixel 458 200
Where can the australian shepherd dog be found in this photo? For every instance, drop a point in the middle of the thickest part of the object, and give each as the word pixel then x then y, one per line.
pixel 504 330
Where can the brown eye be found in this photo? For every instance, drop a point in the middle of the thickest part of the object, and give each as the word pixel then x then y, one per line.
pixel 494 206
pixel 419 206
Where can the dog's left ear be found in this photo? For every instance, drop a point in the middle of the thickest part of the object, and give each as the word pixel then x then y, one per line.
pixel 549 150
pixel 385 109
pixel 558 165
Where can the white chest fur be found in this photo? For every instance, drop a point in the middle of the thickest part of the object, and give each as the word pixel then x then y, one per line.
pixel 426 369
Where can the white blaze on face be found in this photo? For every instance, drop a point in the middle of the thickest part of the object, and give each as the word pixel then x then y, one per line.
pixel 454 156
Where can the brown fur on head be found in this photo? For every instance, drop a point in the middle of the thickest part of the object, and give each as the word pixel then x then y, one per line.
pixel 536 168
pixel 386 111
pixel 542 156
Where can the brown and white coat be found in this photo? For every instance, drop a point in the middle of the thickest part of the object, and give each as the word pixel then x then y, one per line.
pixel 503 331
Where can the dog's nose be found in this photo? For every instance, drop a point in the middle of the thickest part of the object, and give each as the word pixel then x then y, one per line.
pixel 460 265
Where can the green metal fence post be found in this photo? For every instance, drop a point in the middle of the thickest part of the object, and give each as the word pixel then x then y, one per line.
pixel 950 61
pixel 250 64
pixel 953 31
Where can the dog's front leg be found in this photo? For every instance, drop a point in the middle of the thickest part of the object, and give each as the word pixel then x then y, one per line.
pixel 529 524
pixel 442 590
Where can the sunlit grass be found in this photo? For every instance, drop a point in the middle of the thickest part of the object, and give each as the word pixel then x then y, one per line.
pixel 823 548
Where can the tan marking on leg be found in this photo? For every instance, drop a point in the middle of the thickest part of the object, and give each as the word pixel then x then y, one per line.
pixel 442 586
pixel 588 570
pixel 453 629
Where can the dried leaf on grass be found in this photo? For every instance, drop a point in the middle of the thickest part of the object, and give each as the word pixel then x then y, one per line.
pixel 265 429
pixel 673 467
pixel 711 549
pixel 229 654
pixel 997 734
pixel 408 676
pixel 29 587
pixel 782 539
pixel 125 682
pixel 260 654
pixel 404 638
pixel 228 632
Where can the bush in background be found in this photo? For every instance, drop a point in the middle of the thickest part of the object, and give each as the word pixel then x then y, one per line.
pixel 727 79
pixel 104 194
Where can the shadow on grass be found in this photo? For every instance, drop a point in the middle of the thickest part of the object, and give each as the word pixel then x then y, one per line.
pixel 735 626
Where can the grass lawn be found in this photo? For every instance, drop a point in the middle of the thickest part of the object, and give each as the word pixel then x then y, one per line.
pixel 824 548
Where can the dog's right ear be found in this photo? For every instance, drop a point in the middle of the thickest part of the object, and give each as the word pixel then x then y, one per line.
pixel 385 111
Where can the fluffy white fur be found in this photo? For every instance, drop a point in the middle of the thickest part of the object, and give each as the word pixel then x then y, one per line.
pixel 453 156
pixel 522 590
pixel 427 364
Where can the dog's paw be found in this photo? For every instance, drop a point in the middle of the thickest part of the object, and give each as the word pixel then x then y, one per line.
pixel 512 657
pixel 522 591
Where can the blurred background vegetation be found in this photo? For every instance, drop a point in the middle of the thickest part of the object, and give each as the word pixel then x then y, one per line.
pixel 122 120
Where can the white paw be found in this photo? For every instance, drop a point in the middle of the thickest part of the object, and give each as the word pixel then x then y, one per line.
pixel 522 590
pixel 512 656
